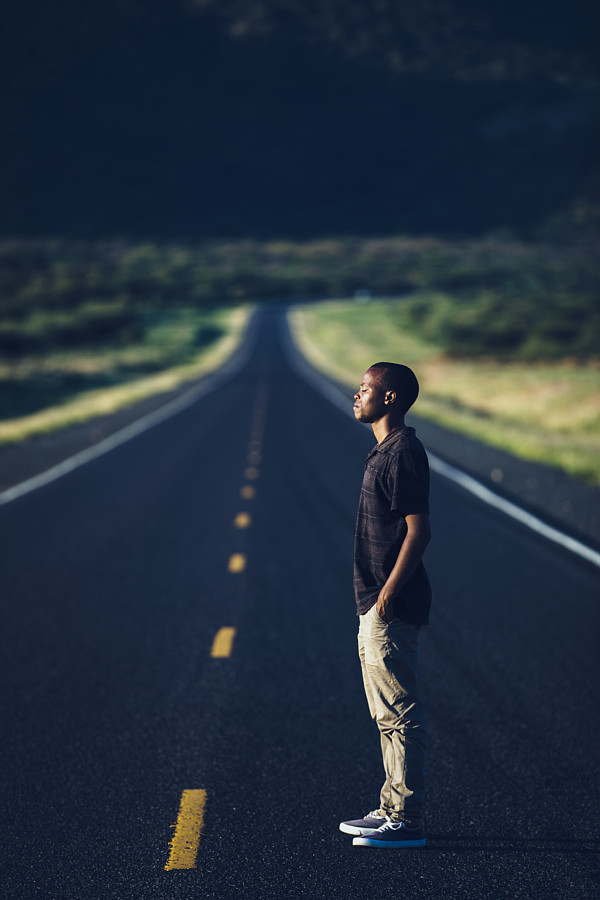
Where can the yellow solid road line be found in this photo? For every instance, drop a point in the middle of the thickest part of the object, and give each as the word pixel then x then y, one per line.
pixel 188 829
pixel 247 492
pixel 242 520
pixel 223 643
pixel 237 562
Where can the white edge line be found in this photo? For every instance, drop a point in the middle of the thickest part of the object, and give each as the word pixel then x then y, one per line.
pixel 470 484
pixel 236 362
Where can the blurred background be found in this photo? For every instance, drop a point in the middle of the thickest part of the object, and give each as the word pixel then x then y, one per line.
pixel 435 166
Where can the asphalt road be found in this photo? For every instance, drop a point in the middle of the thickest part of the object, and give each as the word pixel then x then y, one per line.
pixel 115 580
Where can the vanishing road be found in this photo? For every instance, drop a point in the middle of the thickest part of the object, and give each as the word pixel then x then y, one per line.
pixel 178 646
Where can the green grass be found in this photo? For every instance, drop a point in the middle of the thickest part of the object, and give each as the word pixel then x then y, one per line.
pixel 546 412
pixel 65 385
pixel 84 321
pixel 490 296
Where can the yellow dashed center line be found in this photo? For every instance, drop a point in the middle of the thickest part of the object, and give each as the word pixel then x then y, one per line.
pixel 188 829
pixel 190 819
pixel 237 562
pixel 242 520
pixel 223 643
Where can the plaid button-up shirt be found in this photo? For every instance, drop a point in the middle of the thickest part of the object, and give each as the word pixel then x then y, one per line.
pixel 395 485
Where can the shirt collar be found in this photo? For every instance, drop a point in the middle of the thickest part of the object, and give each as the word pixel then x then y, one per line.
pixel 390 439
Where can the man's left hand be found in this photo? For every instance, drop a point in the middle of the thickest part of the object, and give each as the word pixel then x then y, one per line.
pixel 385 608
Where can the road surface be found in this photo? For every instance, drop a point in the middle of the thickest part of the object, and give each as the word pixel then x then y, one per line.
pixel 238 513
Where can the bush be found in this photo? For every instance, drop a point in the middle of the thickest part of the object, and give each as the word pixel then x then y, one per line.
pixel 486 297
pixel 89 323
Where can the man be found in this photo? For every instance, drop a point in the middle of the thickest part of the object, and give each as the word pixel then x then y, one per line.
pixel 393 597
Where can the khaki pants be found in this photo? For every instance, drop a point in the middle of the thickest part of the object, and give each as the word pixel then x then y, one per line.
pixel 388 657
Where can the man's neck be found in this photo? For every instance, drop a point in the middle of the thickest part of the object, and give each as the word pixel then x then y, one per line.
pixel 385 426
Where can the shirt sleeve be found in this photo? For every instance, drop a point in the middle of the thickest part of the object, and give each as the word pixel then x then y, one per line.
pixel 408 483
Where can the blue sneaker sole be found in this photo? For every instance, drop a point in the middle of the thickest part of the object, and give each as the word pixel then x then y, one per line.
pixel 391 845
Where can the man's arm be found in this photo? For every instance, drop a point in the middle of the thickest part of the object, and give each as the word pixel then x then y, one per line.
pixel 413 547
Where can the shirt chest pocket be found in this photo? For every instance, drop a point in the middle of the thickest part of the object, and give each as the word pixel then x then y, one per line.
pixel 376 490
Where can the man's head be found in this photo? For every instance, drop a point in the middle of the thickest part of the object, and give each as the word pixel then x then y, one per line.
pixel 386 390
pixel 399 379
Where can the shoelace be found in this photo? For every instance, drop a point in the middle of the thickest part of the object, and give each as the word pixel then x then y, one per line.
pixel 391 826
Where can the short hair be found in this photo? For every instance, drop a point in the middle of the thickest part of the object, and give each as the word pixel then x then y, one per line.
pixel 402 380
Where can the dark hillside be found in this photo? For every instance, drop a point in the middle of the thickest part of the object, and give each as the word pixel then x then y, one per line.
pixel 165 120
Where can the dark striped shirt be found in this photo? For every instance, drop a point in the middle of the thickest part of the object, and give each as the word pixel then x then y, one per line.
pixel 395 485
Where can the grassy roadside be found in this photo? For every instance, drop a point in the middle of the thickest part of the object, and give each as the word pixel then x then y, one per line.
pixel 170 354
pixel 87 327
pixel 546 412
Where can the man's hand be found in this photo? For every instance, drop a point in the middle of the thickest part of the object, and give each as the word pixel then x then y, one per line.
pixel 385 606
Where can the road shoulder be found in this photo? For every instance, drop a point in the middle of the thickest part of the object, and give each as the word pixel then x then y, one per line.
pixel 32 456
pixel 545 491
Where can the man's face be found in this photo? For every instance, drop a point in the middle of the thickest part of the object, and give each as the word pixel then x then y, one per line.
pixel 369 400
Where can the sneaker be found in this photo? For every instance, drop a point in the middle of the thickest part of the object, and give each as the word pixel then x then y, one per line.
pixel 363 826
pixel 392 835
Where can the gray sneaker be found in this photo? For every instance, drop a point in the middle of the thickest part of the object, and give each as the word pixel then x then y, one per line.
pixel 392 835
pixel 363 826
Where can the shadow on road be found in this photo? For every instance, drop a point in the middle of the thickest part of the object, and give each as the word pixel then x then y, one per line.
pixel 492 844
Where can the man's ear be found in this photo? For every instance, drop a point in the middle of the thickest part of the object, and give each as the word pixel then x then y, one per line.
pixel 390 397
